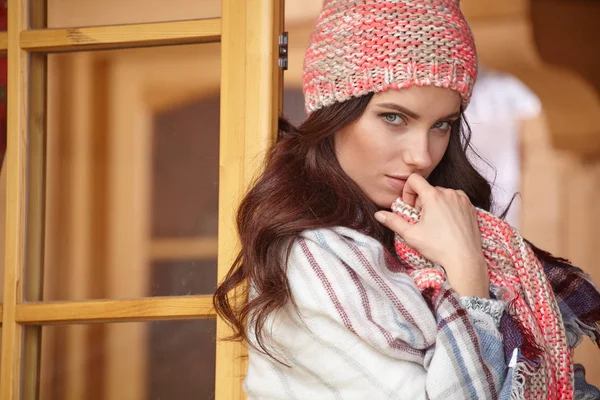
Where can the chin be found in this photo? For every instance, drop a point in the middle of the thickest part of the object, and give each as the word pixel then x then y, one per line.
pixel 385 202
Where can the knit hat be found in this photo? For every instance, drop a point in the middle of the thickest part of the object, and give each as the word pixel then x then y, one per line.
pixel 363 46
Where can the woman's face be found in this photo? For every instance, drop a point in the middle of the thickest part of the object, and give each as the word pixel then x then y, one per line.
pixel 401 132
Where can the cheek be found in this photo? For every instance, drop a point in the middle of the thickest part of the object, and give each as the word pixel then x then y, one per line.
pixel 357 149
pixel 438 149
pixel 352 154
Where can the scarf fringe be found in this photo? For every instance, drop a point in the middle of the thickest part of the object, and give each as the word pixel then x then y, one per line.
pixel 529 348
pixel 587 324
pixel 522 370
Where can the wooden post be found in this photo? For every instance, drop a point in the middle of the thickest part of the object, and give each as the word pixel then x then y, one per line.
pixel 34 271
pixel 16 164
pixel 250 105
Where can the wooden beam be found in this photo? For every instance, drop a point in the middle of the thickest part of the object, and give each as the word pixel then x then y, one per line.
pixel 36 202
pixel 570 104
pixel 184 249
pixel 250 101
pixel 302 12
pixel 493 9
pixel 3 42
pixel 157 308
pixel 16 201
pixel 122 36
pixel 78 230
pixel 128 223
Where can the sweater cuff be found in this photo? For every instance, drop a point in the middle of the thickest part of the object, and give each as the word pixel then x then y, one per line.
pixel 491 307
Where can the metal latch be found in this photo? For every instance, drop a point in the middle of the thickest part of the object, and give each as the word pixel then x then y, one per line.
pixel 283 51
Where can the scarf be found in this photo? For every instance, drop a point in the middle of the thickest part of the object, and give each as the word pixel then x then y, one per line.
pixel 359 328
pixel 542 300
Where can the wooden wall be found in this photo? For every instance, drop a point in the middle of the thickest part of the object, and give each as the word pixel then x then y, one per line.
pixel 567 34
pixel 561 211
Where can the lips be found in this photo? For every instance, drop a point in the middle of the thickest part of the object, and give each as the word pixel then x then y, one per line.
pixel 396 182
pixel 399 177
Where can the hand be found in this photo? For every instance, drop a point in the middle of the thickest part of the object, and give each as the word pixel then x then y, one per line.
pixel 447 233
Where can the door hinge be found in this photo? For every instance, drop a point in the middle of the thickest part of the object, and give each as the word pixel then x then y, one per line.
pixel 283 51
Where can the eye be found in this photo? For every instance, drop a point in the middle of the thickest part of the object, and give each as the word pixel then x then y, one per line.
pixel 442 125
pixel 391 118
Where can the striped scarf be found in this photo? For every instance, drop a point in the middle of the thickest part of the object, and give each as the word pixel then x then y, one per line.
pixel 535 293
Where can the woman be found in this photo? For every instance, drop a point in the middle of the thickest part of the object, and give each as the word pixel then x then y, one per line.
pixel 348 299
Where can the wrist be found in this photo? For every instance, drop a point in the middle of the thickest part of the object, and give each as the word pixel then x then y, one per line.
pixel 466 290
pixel 470 262
pixel 468 277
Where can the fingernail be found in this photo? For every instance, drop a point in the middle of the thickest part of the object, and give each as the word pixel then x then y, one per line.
pixel 379 216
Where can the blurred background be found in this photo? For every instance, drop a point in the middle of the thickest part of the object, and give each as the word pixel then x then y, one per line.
pixel 133 169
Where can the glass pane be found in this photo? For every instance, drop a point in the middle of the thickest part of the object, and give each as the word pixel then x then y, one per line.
pixel 172 360
pixel 183 278
pixel 133 170
pixel 72 13
pixel 183 205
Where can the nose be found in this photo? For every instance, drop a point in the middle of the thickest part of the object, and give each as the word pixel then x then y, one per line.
pixel 417 152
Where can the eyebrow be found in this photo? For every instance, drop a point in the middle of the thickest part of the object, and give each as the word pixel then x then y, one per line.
pixel 412 114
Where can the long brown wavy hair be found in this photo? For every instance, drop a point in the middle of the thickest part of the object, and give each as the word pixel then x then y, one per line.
pixel 303 187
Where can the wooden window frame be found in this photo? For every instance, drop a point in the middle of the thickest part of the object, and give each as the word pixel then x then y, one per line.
pixel 251 100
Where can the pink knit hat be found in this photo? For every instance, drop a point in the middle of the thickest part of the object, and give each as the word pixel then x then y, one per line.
pixel 363 46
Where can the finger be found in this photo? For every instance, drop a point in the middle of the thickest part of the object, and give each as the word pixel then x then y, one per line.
pixel 409 195
pixel 418 204
pixel 414 187
pixel 393 221
pixel 456 192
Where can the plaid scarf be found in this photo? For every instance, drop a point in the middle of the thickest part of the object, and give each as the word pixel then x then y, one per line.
pixel 542 298
pixel 359 328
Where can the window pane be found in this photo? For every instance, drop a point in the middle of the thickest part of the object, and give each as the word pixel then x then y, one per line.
pixel 172 360
pixel 178 195
pixel 77 13
pixel 183 278
pixel 133 170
